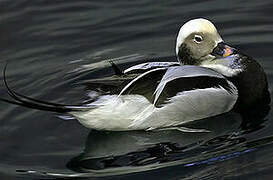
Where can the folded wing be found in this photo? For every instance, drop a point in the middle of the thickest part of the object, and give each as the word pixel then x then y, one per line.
pixel 181 79
pixel 182 94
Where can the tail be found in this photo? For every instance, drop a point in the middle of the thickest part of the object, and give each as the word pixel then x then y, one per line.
pixel 21 100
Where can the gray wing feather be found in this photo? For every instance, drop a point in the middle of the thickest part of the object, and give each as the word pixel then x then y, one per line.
pixel 161 84
pixel 180 72
pixel 144 67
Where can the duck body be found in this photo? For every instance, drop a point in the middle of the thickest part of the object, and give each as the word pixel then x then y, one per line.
pixel 161 98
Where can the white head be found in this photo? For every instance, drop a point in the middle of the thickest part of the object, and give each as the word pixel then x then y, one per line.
pixel 199 43
pixel 196 40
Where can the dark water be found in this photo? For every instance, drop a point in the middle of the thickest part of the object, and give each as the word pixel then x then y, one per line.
pixel 54 47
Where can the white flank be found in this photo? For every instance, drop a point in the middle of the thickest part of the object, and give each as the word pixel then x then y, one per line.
pixel 188 106
pixel 115 113
pixel 135 112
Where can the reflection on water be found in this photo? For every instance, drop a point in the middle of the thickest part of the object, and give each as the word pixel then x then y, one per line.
pixel 204 153
pixel 138 148
pixel 116 153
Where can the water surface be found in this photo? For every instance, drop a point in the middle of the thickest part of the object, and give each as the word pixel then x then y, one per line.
pixel 54 49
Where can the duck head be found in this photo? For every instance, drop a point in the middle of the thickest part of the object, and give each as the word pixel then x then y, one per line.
pixel 199 43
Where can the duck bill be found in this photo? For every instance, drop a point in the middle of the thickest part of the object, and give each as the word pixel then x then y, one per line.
pixel 222 50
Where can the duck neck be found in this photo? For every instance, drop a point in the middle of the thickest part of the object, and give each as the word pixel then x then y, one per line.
pixel 251 83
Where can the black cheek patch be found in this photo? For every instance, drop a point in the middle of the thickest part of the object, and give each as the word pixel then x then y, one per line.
pixel 185 57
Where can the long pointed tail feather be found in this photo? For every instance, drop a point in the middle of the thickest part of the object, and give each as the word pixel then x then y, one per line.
pixel 29 102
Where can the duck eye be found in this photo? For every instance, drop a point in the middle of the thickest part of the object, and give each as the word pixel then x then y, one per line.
pixel 198 38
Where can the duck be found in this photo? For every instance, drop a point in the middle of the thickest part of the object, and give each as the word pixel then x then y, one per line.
pixel 209 78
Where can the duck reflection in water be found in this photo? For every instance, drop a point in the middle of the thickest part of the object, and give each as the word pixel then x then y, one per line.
pixel 114 151
pixel 107 150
